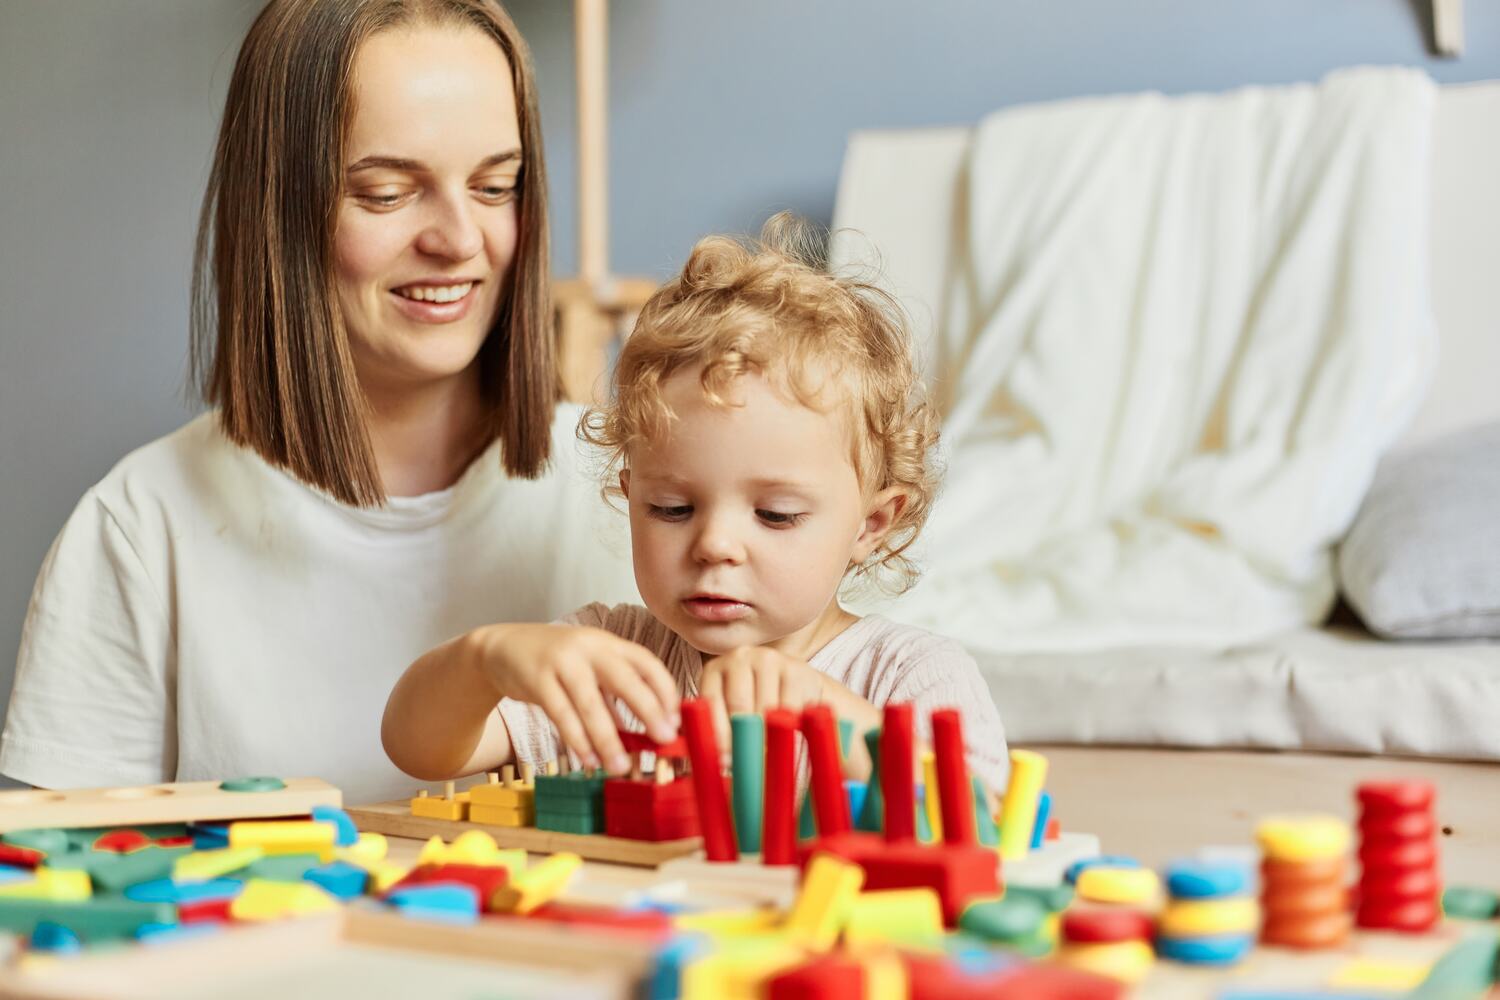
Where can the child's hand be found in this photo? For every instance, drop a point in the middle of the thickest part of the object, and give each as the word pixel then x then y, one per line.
pixel 567 670
pixel 756 679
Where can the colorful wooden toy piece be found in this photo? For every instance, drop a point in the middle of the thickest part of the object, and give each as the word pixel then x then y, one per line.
pixel 829 885
pixel 779 830
pixel 827 772
pixel 708 781
pixel 452 805
pixel 570 803
pixel 897 780
pixel 747 752
pixel 955 792
pixel 505 801
pixel 656 808
pixel 1028 773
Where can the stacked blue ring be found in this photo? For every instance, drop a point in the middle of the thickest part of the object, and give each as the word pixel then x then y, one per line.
pixel 1222 949
pixel 1203 881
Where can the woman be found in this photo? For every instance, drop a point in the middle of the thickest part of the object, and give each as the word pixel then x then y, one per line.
pixel 386 466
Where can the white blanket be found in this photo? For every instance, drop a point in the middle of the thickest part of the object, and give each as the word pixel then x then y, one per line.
pixel 1191 327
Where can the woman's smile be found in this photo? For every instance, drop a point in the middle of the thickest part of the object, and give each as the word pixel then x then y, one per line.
pixel 436 303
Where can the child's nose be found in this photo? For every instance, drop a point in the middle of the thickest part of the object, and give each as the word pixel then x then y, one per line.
pixel 716 543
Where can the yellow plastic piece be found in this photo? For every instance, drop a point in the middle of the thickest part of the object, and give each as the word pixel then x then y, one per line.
pixel 1380 974
pixel 739 970
pixel 1200 917
pixel 384 874
pixel 472 847
pixel 502 815
pixel 930 800
pixel 204 865
pixel 441 807
pixel 262 899
pixel 1303 838
pixel 1028 774
pixel 285 837
pixel 885 977
pixel 1127 961
pixel 517 796
pixel 730 923
pixel 829 887
pixel 1132 886
pixel 369 848
pixel 53 884
pixel 541 883
pixel 908 917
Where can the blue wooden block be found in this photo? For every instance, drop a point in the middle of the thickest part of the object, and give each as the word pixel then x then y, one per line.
pixel 340 878
pixel 166 890
pixel 855 791
pixel 56 938
pixel 1206 879
pixel 1039 826
pixel 1216 949
pixel 347 834
pixel 666 979
pixel 447 901
pixel 154 934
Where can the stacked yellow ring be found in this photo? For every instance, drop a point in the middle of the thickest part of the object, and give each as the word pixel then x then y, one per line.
pixel 1303 881
pixel 1210 918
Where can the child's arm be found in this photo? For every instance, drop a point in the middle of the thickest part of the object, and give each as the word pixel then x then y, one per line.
pixel 440 721
pixel 758 678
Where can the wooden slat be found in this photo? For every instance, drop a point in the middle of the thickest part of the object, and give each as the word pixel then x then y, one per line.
pixel 182 802
pixel 395 819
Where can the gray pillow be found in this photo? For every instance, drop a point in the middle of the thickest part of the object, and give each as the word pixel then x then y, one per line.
pixel 1422 560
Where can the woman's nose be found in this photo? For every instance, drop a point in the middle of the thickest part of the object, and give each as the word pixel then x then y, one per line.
pixel 453 233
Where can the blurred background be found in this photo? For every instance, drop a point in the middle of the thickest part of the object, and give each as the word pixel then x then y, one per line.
pixel 720 114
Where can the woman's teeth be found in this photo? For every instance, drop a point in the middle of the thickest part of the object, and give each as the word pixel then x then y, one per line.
pixel 436 293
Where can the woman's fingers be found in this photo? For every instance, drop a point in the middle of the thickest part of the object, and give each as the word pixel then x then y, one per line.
pixel 581 683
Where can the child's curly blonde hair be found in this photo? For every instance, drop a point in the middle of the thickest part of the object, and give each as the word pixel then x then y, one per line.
pixel 771 307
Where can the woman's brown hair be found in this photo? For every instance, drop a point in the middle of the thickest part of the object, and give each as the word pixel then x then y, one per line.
pixel 269 347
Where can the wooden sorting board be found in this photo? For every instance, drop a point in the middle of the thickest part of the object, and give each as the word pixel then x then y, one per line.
pixel 395 819
pixel 182 802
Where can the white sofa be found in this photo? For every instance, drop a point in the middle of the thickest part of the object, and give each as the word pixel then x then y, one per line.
pixel 1333 688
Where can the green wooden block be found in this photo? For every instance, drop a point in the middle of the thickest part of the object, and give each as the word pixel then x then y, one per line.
pixel 747 750
pixel 1467 903
pixel 1055 899
pixel 91 920
pixel 569 823
pixel 1464 972
pixel 113 872
pixel 1004 920
pixel 573 785
pixel 45 839
pixel 571 807
pixel 283 867
pixel 872 814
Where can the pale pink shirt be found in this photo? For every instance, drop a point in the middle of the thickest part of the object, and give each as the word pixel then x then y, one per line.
pixel 877 659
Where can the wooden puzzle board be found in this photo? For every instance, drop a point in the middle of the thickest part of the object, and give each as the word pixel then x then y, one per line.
pixel 394 819
pixel 182 802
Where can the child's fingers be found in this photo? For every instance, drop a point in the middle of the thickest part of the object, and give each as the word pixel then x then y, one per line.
pixel 739 689
pixel 712 691
pixel 582 686
pixel 559 708
pixel 655 675
pixel 621 680
pixel 767 687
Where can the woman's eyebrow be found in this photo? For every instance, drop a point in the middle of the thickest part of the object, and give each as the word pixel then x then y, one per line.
pixel 417 166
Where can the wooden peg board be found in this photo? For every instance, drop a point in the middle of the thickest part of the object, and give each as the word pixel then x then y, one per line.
pixel 182 802
pixel 395 819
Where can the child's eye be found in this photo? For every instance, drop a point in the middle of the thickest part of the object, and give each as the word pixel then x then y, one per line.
pixel 779 519
pixel 669 513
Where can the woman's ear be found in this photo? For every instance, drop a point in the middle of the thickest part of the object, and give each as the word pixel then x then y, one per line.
pixel 880 517
pixel 625 482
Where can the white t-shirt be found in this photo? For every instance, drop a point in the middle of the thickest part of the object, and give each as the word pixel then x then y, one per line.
pixel 205 615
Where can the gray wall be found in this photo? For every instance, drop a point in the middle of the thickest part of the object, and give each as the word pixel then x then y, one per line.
pixel 721 114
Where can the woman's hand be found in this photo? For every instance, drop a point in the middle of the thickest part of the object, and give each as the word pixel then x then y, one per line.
pixel 757 679
pixel 568 670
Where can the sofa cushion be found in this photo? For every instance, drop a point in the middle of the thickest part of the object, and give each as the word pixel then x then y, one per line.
pixel 1422 560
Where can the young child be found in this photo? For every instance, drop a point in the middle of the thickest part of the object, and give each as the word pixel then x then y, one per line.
pixel 767 434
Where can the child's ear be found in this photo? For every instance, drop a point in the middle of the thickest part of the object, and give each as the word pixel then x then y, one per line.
pixel 625 482
pixel 880 517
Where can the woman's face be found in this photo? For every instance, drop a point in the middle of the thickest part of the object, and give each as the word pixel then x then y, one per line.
pixel 427 225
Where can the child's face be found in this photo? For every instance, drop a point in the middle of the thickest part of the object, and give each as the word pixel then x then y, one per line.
pixel 744 519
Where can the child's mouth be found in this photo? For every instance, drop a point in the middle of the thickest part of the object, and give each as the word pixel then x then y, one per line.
pixel 715 608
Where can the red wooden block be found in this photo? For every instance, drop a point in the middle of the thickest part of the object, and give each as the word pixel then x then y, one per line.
pixel 645 923
pixel 641 743
pixel 485 879
pixel 708 783
pixel 1402 854
pixel 644 810
pixel 829 800
pixel 1394 796
pixel 183 841
pixel 831 977
pixel 205 912
pixel 1054 828
pixel 1413 916
pixel 898 773
pixel 936 978
pixel 1397 826
pixel 1399 885
pixel 1085 924
pixel 956 873
pixel 955 793
pixel 20 857
pixel 778 841
pixel 122 841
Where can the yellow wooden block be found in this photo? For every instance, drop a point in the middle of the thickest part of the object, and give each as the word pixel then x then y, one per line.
pixel 384 874
pixel 1200 917
pixel 369 848
pixel 930 800
pixel 472 847
pixel 829 886
pixel 1127 961
pixel 908 917
pixel 262 899
pixel 285 837
pixel 738 970
pixel 885 977
pixel 55 885
pixel 1133 886
pixel 1303 838
pixel 1381 974
pixel 441 807
pixel 502 815
pixel 1028 775
pixel 729 923
pixel 204 865
pixel 541 883
pixel 510 797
